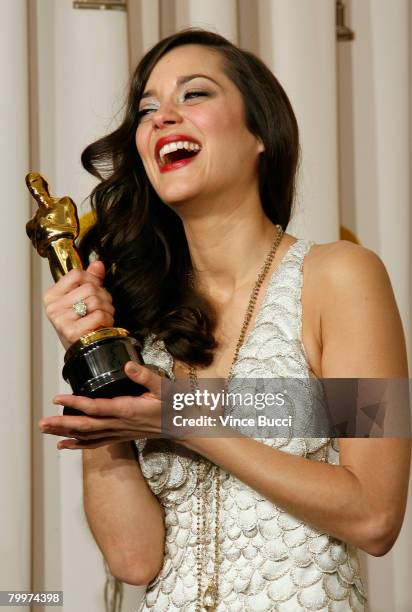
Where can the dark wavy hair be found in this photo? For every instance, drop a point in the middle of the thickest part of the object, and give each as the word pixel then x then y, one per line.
pixel 142 241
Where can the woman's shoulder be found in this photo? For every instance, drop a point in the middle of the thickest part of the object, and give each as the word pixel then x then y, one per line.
pixel 359 327
pixel 340 277
pixel 335 264
pixel 340 265
pixel 337 254
pixel 351 283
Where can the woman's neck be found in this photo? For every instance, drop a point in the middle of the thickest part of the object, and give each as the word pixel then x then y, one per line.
pixel 228 248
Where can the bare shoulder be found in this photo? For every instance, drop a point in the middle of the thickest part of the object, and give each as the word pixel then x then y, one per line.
pixel 336 260
pixel 361 329
pixel 343 268
pixel 340 267
pixel 347 274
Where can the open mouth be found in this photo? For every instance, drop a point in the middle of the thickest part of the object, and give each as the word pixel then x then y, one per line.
pixel 175 154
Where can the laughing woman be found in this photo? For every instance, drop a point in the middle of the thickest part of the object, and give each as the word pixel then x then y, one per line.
pixel 195 194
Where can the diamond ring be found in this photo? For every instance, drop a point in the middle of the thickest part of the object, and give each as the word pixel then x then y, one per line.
pixel 80 308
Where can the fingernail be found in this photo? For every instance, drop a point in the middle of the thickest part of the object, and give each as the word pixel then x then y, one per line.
pixel 134 368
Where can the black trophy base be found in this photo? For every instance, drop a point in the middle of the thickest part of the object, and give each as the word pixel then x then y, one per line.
pixel 97 368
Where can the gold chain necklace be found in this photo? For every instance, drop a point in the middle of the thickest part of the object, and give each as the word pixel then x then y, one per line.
pixel 210 599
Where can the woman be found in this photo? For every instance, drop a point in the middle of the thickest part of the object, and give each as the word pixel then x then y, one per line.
pixel 196 190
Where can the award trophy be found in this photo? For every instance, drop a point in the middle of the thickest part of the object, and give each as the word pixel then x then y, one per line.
pixel 94 365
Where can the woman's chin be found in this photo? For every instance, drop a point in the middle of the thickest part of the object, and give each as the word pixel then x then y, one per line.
pixel 178 198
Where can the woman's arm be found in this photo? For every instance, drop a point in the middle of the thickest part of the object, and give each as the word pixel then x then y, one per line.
pixel 362 500
pixel 124 516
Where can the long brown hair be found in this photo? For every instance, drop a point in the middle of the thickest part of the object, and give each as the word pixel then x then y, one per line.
pixel 142 241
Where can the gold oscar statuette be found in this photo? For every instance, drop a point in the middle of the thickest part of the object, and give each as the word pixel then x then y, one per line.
pixel 94 365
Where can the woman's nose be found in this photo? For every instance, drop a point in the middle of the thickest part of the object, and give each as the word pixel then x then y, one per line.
pixel 167 114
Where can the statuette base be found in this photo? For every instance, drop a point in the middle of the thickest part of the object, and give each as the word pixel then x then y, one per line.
pixel 94 365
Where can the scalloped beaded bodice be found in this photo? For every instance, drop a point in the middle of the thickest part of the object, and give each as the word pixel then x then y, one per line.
pixel 269 559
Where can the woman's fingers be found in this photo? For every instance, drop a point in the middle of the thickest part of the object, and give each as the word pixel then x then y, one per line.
pixel 80 444
pixel 76 444
pixel 71 327
pixel 59 302
pixel 95 298
pixel 64 432
pixel 70 281
pixel 122 407
pixel 97 268
pixel 126 417
pixel 144 376
pixel 75 286
pixel 90 294
pixel 68 425
pixel 97 412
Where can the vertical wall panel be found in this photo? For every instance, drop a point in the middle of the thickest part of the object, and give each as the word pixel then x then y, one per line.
pixel 248 24
pixel 47 551
pixel 91 63
pixel 376 194
pixel 92 74
pixel 297 41
pixel 143 26
pixel 375 112
pixel 15 448
pixel 215 15
pixel 81 79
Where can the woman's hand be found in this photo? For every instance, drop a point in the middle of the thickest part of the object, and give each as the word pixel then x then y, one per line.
pixel 86 285
pixel 109 421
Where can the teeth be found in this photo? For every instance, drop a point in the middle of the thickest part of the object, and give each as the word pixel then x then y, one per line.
pixel 174 146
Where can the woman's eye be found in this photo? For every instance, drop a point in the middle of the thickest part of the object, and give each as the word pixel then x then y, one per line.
pixel 197 93
pixel 144 112
pixel 187 96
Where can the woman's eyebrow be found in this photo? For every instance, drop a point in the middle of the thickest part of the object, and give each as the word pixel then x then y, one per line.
pixel 181 81
pixel 185 79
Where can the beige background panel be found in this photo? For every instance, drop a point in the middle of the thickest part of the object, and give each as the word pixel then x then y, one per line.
pixel 353 102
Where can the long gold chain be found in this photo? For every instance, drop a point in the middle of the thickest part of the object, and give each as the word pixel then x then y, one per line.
pixel 210 600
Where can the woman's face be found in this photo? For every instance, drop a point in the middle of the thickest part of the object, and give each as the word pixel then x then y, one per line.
pixel 192 136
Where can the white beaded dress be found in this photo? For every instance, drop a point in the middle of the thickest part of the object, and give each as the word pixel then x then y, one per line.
pixel 270 560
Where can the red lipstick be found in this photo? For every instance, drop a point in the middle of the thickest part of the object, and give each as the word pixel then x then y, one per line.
pixel 178 163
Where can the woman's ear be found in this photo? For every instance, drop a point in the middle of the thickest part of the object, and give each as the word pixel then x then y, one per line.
pixel 261 146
